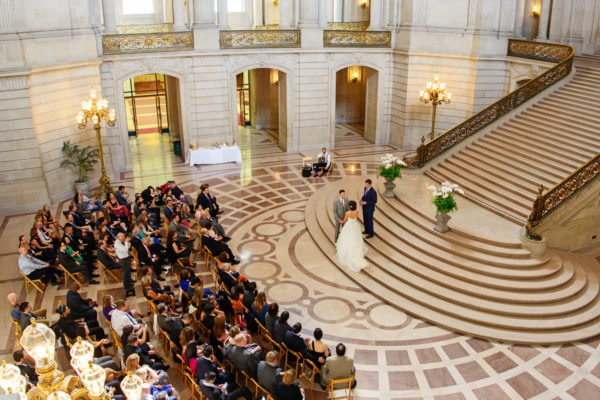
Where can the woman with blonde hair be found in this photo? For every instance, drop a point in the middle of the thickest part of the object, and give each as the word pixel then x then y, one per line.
pixel 157 298
pixel 146 374
pixel 260 307
pixel 288 388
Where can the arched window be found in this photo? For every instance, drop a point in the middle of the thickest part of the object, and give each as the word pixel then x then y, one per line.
pixel 132 7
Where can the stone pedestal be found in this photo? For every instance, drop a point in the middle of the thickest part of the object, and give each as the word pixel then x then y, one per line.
pixel 389 189
pixel 442 222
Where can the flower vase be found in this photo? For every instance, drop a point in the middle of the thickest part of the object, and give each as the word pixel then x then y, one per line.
pixel 389 189
pixel 442 222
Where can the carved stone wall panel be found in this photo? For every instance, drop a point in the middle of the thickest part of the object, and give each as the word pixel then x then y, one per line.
pixel 334 38
pixel 147 42
pixel 252 39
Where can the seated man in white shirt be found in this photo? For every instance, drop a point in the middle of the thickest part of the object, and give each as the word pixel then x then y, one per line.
pixel 37 269
pixel 121 318
pixel 323 162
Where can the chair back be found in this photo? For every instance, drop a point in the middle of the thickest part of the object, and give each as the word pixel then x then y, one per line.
pixel 69 275
pixel 330 167
pixel 32 282
pixel 307 161
pixel 344 385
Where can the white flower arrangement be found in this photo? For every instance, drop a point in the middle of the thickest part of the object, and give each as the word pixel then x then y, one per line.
pixel 390 167
pixel 443 196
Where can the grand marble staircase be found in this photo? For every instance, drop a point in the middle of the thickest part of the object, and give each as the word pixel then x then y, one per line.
pixel 540 146
pixel 463 281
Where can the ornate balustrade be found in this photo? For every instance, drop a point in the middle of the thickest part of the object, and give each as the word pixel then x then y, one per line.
pixel 353 38
pixel 545 203
pixel 259 38
pixel 147 42
pixel 348 26
pixel 516 48
pixel 145 28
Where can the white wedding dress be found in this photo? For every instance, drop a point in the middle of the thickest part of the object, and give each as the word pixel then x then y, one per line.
pixel 351 247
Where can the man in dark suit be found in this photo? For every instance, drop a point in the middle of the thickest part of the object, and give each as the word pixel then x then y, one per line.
pixel 207 363
pixel 205 200
pixel 369 200
pixel 243 356
pixel 173 326
pixel 269 374
pixel 146 257
pixel 105 257
pixel 145 359
pixel 80 307
pixel 216 247
pixel 212 391
pixel 295 342
pixel 73 266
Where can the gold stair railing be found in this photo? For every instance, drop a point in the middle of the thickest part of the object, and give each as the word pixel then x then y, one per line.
pixel 561 54
pixel 545 203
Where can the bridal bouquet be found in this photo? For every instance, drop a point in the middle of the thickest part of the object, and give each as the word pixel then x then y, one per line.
pixel 390 167
pixel 443 198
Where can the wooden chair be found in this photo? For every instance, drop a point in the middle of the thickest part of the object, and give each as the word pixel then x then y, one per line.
pixel 341 384
pixel 106 273
pixel 36 283
pixel 18 332
pixel 258 391
pixel 330 167
pixel 292 360
pixel 308 371
pixel 262 333
pixel 207 257
pixel 307 162
pixel 197 392
pixel 273 345
pixel 72 276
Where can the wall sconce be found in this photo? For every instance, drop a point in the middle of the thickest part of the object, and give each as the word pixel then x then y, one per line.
pixel 363 3
pixel 354 74
pixel 275 3
pixel 355 77
pixel 274 77
pixel 535 11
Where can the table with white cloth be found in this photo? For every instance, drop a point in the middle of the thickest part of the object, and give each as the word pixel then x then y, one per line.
pixel 215 155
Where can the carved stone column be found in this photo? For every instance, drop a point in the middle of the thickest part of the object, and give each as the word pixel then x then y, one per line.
pixel 284 14
pixel 323 15
pixel 544 17
pixel 375 17
pixel 110 16
pixel 309 14
pixel 179 15
pixel 222 15
pixel 204 14
pixel 519 14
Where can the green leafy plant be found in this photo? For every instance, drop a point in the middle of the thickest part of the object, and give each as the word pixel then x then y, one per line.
pixel 443 197
pixel 80 158
pixel 390 167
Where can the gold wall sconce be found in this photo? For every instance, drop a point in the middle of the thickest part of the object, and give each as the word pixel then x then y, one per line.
pixel 363 3
pixel 354 74
pixel 535 10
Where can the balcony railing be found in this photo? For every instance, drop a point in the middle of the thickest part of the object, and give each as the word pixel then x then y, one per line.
pixel 351 38
pixel 516 48
pixel 348 26
pixel 147 42
pixel 259 38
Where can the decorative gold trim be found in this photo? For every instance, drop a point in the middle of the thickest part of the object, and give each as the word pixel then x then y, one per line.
pixel 147 42
pixel 516 48
pixel 128 29
pixel 252 39
pixel 348 26
pixel 336 38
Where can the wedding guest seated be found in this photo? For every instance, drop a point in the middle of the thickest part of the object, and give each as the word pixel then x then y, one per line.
pixel 269 374
pixel 72 265
pixel 173 326
pixel 121 197
pixel 207 201
pixel 288 388
pixel 249 294
pixel 281 327
pixel 217 247
pixel 102 356
pixel 148 375
pixel 144 358
pixel 66 324
pixel 157 298
pixel 227 274
pixel 203 218
pixel 155 284
pixel 182 197
pixel 184 233
pixel 121 212
pixel 295 342
pixel 207 363
pixel 271 317
pixel 147 257
pixel 37 269
pixel 244 356
pixel 84 204
pixel 79 220
pixel 221 392
pixel 26 370
pixel 121 317
pixel 144 339
pixel 48 220
pixel 259 307
pixel 42 244
pixel 177 250
pixel 168 211
pixel 26 315
pixel 109 306
pixel 337 367
pixel 80 308
pixel 107 255
pixel 318 349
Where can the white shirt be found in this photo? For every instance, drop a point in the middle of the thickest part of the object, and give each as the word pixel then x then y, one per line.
pixel 326 157
pixel 29 264
pixel 120 320
pixel 122 249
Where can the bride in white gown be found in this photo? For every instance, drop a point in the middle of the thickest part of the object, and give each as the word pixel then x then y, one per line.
pixel 350 245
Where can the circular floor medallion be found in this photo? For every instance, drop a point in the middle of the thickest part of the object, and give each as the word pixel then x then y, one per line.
pixel 331 309
pixel 261 270
pixel 286 292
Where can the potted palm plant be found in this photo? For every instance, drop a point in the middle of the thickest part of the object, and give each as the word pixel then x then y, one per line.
pixel 82 159
pixel 390 169
pixel 444 202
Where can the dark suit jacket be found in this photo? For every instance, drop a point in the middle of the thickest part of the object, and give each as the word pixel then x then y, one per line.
pixel 168 213
pixel 289 392
pixel 78 219
pixel 143 257
pixel 121 200
pixel 67 261
pixel 144 359
pixel 280 330
pixel 170 325
pixel 77 304
pixel 228 279
pixel 203 202
pixel 211 392
pixel 371 198
pixel 106 260
pixel 214 246
pixel 242 358
pixel 268 377
pixel 204 365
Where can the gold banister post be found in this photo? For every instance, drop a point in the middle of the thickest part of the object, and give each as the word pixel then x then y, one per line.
pixel 534 217
pixel 421 151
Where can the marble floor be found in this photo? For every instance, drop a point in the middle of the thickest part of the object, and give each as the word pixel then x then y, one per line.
pixel 397 356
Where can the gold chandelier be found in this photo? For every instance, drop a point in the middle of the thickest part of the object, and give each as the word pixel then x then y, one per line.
pixel 436 94
pixel 39 341
pixel 95 110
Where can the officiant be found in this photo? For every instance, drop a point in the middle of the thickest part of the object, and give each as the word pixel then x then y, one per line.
pixel 323 164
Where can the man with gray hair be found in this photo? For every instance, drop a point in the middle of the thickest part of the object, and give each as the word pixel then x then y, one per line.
pixel 122 246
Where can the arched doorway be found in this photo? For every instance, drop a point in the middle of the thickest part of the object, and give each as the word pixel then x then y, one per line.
pixel 261 107
pixel 356 103
pixel 154 125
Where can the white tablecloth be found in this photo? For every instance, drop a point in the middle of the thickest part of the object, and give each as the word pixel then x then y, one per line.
pixel 216 155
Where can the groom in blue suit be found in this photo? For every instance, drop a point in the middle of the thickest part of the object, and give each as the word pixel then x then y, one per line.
pixel 369 200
